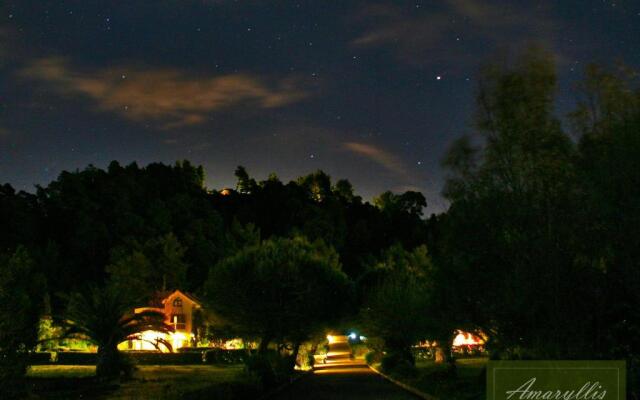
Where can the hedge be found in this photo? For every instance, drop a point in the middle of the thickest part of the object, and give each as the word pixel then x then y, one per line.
pixel 191 356
pixel 39 358
pixel 165 358
pixel 222 356
pixel 75 358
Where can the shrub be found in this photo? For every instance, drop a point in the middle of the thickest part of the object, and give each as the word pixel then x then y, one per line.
pixel 306 357
pixel 223 356
pixel 261 367
pixel 373 357
pixel 149 358
pixel 270 368
pixel 76 358
pixel 396 364
pixel 40 358
pixel 359 350
pixel 422 353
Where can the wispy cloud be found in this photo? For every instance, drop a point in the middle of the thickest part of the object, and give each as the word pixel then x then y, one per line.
pixel 449 35
pixel 378 155
pixel 169 97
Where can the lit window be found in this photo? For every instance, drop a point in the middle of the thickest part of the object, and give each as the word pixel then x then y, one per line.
pixel 177 302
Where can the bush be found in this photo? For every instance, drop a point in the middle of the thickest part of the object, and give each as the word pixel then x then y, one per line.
pixel 191 350
pixel 306 357
pixel 187 358
pixel 39 358
pixel 261 367
pixel 359 350
pixel 269 369
pixel 396 364
pixel 76 358
pixel 422 353
pixel 223 356
pixel 373 357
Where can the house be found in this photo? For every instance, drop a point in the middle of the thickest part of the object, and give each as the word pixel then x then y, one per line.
pixel 181 312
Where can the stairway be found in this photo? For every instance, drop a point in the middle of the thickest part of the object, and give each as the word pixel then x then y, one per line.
pixel 339 349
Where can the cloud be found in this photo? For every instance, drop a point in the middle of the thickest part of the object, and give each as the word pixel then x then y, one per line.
pixel 458 32
pixel 169 97
pixel 378 155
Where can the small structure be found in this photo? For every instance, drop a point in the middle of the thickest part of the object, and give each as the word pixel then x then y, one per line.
pixel 179 309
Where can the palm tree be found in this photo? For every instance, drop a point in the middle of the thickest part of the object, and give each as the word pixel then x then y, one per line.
pixel 104 315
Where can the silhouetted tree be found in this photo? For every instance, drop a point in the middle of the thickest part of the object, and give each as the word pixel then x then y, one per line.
pixel 510 229
pixel 281 289
pixel 396 309
pixel 21 304
pixel 104 316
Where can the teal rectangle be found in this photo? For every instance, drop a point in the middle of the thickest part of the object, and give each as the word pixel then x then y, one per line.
pixel 562 380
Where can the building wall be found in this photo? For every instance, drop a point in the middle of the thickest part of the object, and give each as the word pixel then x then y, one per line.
pixel 176 304
pixel 182 307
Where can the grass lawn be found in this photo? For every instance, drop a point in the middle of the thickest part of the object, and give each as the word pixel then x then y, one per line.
pixel 163 382
pixel 468 385
pixel 61 371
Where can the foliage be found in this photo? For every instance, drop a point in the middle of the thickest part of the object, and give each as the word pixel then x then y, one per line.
pixel 223 356
pixel 104 316
pixel 373 357
pixel 540 244
pixel 608 117
pixel 519 191
pixel 397 301
pixel 269 368
pixel 93 216
pixel 20 309
pixel 280 289
pixel 155 266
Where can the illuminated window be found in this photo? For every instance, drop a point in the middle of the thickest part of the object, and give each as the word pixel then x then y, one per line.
pixel 177 302
pixel 178 321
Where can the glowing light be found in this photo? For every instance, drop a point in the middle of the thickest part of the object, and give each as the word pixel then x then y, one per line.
pixel 467 339
pixel 330 338
pixel 353 336
pixel 177 340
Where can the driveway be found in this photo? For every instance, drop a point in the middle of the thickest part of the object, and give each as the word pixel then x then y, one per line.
pixel 343 379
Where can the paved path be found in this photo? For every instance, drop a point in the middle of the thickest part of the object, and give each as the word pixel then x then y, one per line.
pixel 343 379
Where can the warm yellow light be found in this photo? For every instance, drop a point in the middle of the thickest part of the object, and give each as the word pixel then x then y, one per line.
pixel 330 338
pixel 466 339
pixel 178 339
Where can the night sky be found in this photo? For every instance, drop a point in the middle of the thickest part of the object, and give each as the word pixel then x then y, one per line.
pixel 370 91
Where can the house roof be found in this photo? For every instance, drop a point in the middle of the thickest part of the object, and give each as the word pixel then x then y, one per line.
pixel 183 294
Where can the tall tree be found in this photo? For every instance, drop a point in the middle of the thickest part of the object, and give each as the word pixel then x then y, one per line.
pixel 608 120
pixel 281 289
pixel 397 296
pixel 21 304
pixel 104 315
pixel 510 227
